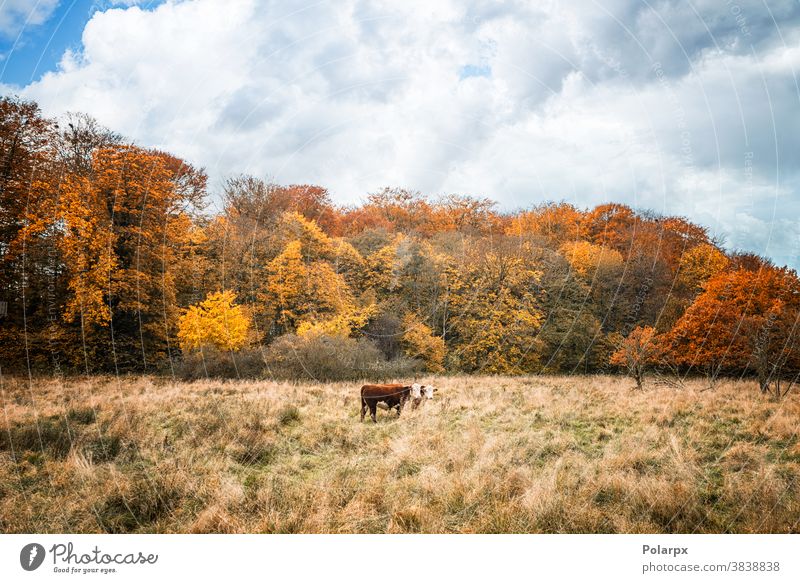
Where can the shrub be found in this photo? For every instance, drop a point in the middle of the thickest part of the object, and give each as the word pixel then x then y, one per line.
pixel 84 415
pixel 49 435
pixel 212 363
pixel 288 415
pixel 101 449
pixel 332 358
pixel 291 357
pixel 385 332
pixel 141 500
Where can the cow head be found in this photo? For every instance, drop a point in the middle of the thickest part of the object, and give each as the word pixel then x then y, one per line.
pixel 427 391
pixel 416 391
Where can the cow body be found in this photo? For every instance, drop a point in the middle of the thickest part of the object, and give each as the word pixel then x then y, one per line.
pixel 393 395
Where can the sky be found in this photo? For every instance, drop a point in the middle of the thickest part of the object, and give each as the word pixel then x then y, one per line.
pixel 687 108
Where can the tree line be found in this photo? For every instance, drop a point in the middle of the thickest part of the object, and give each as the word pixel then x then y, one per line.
pixel 112 262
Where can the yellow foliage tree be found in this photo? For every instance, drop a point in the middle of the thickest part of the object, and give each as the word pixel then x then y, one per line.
pixel 299 291
pixel 326 291
pixel 315 243
pixel 383 266
pixel 419 342
pixel 286 281
pixel 343 324
pixel 701 263
pixel 348 262
pixel 495 314
pixel 587 258
pixel 216 321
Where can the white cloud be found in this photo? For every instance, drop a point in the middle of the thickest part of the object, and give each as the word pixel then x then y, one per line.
pixel 355 95
pixel 15 15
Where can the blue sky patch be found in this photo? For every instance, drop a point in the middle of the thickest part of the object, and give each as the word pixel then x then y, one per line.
pixel 28 51
pixel 475 71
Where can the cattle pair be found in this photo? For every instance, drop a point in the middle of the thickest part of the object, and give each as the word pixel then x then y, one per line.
pixel 393 396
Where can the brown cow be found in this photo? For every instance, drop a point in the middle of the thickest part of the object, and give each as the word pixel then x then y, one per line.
pixel 394 395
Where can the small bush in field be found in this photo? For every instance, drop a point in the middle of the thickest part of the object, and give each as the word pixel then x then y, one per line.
pixel 288 415
pixel 250 454
pixel 145 498
pixel 49 435
pixel 83 415
pixel 101 449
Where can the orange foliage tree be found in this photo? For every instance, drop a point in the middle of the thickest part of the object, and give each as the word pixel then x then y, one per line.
pixel 611 225
pixel 556 223
pixel 119 229
pixel 104 244
pixel 637 352
pixel 742 320
pixel 31 287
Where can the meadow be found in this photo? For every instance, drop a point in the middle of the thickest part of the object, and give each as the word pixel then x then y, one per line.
pixel 540 454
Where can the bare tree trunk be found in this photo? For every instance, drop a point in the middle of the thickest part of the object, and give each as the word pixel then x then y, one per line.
pixel 789 388
pixel 791 384
pixel 763 382
pixel 711 377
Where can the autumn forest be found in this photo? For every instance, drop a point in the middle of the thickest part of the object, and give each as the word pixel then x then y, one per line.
pixel 113 261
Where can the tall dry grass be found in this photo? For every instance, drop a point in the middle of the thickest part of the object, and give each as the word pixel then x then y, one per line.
pixel 539 454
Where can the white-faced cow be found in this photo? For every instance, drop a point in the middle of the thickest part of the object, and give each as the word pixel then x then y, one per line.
pixel 393 395
pixel 425 393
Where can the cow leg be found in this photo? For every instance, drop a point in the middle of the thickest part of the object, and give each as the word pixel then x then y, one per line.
pixel 363 409
pixel 373 410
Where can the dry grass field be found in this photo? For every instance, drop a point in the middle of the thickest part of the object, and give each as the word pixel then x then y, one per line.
pixel 538 454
